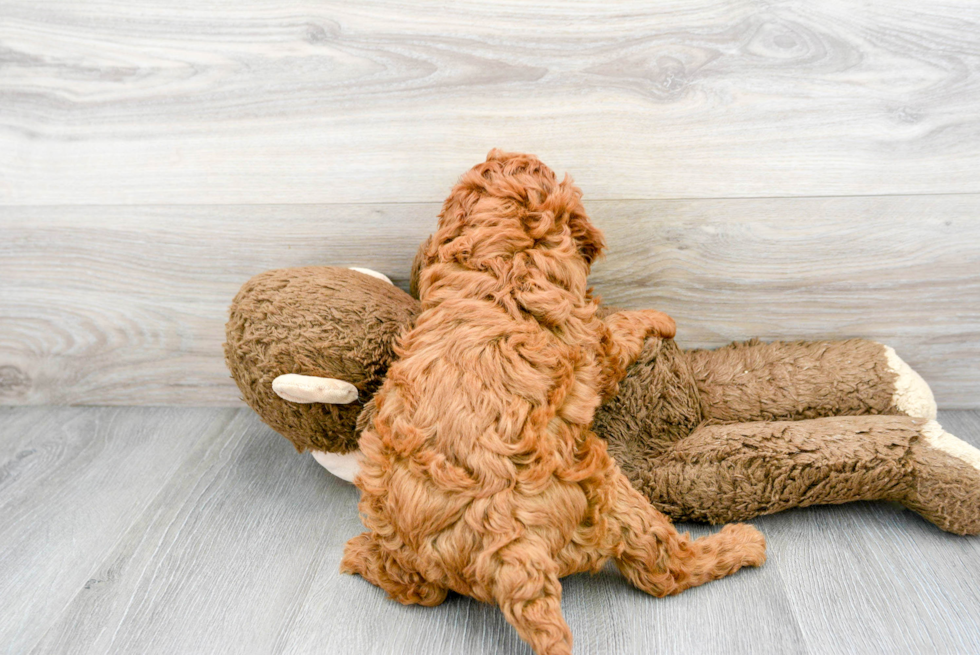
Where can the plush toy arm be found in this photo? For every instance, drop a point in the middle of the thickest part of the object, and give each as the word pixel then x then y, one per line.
pixel 780 381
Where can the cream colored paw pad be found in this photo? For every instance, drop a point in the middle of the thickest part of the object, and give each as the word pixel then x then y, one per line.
pixel 939 439
pixel 344 465
pixel 368 271
pixel 912 395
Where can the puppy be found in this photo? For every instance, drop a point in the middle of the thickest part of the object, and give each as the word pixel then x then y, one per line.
pixel 480 472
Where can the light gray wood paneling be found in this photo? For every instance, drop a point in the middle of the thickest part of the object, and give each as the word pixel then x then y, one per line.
pixel 297 102
pixel 901 270
pixel 126 305
pixel 237 550
pixel 72 482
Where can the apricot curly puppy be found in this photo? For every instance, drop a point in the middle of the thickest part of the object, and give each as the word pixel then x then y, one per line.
pixel 481 474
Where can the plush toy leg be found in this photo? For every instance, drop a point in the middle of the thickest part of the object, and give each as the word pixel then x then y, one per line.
pixel 784 381
pixel 912 396
pixel 734 472
pixel 947 481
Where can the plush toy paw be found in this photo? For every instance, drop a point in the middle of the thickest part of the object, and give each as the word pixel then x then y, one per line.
pixel 912 396
pixel 946 490
pixel 343 465
pixel 368 271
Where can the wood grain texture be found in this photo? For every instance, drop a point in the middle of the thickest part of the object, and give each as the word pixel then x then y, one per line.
pixel 126 305
pixel 311 102
pixel 605 613
pixel 238 551
pixel 72 482
pixel 220 561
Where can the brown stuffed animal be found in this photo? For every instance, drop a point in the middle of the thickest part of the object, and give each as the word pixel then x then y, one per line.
pixel 719 436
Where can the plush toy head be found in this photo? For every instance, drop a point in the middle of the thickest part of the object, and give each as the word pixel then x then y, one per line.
pixel 330 323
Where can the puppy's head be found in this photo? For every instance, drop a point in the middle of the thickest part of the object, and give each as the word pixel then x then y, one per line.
pixel 507 205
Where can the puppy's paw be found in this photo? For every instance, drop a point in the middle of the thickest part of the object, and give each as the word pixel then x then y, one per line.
pixel 658 324
pixel 747 541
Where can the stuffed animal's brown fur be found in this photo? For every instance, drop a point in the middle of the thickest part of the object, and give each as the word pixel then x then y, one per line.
pixel 348 322
pixel 480 472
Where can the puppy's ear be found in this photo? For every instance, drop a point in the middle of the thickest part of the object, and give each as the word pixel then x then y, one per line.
pixel 588 238
pixel 417 264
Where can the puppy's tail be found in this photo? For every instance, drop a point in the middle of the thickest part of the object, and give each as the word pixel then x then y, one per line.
pixel 661 561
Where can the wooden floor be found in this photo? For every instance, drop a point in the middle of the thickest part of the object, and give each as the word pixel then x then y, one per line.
pixel 199 530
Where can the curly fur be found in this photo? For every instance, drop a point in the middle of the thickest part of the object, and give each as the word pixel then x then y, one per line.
pixel 481 474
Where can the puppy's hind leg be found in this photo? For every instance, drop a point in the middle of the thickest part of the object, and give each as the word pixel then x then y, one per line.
pixel 365 556
pixel 661 561
pixel 526 587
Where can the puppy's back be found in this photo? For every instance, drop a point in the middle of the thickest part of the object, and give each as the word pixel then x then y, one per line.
pixel 481 419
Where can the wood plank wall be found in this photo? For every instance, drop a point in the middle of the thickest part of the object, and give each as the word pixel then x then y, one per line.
pixel 781 170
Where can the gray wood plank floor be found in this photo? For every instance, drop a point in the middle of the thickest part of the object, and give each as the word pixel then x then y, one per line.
pixel 182 530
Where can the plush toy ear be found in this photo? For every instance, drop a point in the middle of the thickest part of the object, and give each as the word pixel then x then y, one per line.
pixel 308 389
